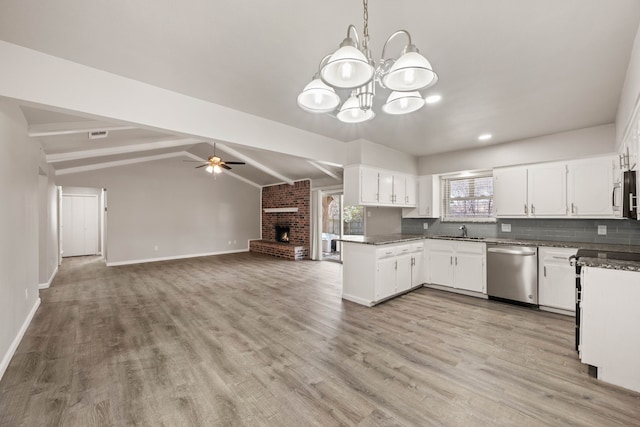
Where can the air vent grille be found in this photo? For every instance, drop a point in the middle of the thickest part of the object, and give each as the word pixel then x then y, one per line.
pixel 98 134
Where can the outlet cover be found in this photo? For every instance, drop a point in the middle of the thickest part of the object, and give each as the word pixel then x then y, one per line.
pixel 506 228
pixel 602 230
pixel 425 225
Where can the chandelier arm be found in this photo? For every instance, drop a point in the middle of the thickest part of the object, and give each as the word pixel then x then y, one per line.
pixel 391 37
pixel 355 33
pixel 321 64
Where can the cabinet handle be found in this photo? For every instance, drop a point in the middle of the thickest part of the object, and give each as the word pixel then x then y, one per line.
pixel 456 260
pixel 396 265
pixel 573 210
pixel 406 199
pixel 545 271
pixel 525 209
pixel 533 209
pixel 451 260
pixel 377 197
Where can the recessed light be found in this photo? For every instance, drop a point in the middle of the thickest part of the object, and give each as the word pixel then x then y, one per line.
pixel 485 137
pixel 433 99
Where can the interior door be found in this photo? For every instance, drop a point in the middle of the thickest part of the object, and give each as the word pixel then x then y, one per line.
pixel 80 225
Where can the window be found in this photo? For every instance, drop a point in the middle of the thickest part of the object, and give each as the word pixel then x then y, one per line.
pixel 468 198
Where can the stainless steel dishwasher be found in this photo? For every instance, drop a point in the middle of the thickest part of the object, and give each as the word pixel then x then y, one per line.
pixel 512 273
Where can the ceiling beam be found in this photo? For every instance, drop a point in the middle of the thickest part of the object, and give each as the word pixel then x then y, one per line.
pixel 115 163
pixel 325 170
pixel 69 128
pixel 252 162
pixel 124 149
pixel 226 171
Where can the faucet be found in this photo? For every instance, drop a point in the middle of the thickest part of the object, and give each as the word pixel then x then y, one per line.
pixel 464 230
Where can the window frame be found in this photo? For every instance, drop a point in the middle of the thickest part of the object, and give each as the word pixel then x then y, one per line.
pixel 444 199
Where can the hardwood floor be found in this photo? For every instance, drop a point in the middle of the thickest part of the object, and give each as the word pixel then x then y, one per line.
pixel 247 339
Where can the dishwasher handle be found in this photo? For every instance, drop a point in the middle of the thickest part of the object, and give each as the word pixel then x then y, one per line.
pixel 511 251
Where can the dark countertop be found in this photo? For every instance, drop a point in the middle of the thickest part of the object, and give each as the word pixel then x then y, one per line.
pixel 600 262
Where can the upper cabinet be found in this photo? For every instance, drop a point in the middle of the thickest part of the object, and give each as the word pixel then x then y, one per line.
pixel 368 186
pixel 427 190
pixel 531 191
pixel 587 188
pixel 594 187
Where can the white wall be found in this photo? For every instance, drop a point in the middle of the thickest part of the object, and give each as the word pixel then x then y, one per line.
pixel 630 91
pixel 559 146
pixel 169 205
pixel 47 228
pixel 19 190
pixel 382 220
pixel 369 153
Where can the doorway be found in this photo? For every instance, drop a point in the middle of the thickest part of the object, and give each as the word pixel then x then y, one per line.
pixel 338 221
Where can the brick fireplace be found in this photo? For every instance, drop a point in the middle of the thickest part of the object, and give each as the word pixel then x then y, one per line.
pixel 285 206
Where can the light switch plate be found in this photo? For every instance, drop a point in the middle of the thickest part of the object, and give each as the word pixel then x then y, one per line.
pixel 506 228
pixel 425 225
pixel 602 230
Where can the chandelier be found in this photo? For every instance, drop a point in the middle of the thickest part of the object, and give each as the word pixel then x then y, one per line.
pixel 352 67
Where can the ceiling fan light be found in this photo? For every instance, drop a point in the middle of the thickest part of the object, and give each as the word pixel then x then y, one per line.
pixel 318 97
pixel 209 169
pixel 410 72
pixel 216 169
pixel 350 112
pixel 403 103
pixel 347 68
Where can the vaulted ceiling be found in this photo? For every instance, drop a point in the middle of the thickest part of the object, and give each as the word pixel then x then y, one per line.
pixel 515 69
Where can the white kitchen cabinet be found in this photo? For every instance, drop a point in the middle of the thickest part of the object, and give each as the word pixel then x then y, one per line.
pixel 556 279
pixel 531 191
pixel 459 265
pixel 374 273
pixel 417 264
pixel 510 192
pixel 609 320
pixel 594 188
pixel 368 186
pixel 427 190
pixel 547 189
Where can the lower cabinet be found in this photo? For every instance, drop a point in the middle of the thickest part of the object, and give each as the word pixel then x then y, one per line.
pixel 374 273
pixel 460 265
pixel 556 279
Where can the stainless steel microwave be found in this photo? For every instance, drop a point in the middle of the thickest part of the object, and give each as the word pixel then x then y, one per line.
pixel 629 195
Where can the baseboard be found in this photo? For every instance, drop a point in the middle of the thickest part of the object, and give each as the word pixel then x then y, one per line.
pixel 357 300
pixel 171 258
pixel 53 276
pixel 557 310
pixel 456 291
pixel 16 341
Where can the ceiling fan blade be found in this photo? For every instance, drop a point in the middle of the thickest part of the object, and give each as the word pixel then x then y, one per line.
pixel 235 163
pixel 201 166
pixel 222 165
pixel 194 161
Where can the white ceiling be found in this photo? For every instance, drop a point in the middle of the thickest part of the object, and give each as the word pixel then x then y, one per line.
pixel 516 69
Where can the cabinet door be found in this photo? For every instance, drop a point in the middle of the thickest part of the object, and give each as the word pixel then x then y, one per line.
pixel 425 194
pixel 399 190
pixel 510 192
pixel 385 278
pixel 558 286
pixel 547 191
pixel 403 273
pixel 410 190
pixel 386 188
pixel 417 270
pixel 591 187
pixel 441 263
pixel 368 185
pixel 469 261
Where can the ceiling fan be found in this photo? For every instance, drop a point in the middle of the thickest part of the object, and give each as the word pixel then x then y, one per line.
pixel 215 164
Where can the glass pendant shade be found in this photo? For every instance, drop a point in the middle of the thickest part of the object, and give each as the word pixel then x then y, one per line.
pixel 350 112
pixel 410 72
pixel 318 97
pixel 403 103
pixel 347 68
pixel 209 169
pixel 217 169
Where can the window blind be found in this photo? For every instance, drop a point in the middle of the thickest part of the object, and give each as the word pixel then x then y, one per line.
pixel 467 198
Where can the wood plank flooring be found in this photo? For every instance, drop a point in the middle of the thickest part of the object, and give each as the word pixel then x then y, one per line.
pixel 248 339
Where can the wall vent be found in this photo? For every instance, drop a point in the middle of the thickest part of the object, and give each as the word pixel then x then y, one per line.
pixel 98 134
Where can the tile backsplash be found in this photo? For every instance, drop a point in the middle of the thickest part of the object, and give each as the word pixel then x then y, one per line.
pixel 622 231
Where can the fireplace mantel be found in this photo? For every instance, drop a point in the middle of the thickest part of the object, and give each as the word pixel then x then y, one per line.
pixel 277 210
